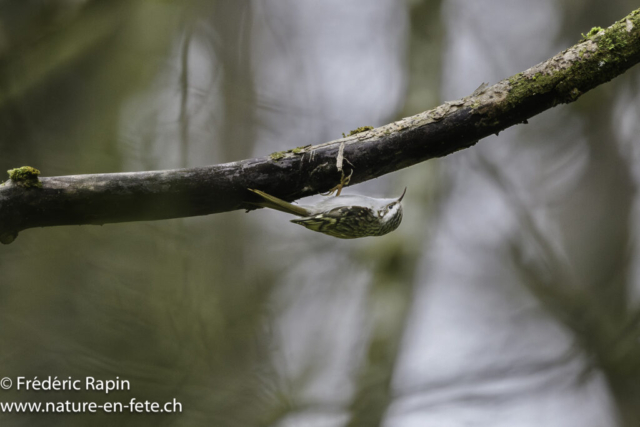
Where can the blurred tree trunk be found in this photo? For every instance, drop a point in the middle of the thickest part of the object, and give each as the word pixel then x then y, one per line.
pixel 394 263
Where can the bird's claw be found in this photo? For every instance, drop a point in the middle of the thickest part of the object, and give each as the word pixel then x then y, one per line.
pixel 343 181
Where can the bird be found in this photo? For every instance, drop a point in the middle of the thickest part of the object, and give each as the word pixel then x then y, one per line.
pixel 342 216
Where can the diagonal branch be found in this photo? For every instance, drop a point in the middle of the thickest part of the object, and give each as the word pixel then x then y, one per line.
pixel 142 196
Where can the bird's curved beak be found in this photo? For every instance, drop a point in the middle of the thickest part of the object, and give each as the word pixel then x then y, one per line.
pixel 403 193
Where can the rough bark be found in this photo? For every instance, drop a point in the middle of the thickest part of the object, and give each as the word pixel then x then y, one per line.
pixel 142 196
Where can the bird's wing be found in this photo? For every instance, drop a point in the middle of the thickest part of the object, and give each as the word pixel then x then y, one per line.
pixel 326 220
pixel 272 202
pixel 348 211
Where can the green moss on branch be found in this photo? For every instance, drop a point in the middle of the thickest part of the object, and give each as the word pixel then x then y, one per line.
pixel 25 176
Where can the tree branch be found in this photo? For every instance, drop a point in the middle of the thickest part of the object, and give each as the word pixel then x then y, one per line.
pixel 142 196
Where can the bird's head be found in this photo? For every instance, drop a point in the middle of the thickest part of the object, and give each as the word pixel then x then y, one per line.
pixel 391 213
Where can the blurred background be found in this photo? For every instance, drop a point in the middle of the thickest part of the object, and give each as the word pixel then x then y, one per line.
pixel 508 296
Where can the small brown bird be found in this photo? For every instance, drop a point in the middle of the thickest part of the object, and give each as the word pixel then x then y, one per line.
pixel 345 217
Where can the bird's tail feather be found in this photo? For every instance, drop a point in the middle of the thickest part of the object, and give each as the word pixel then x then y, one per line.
pixel 272 202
